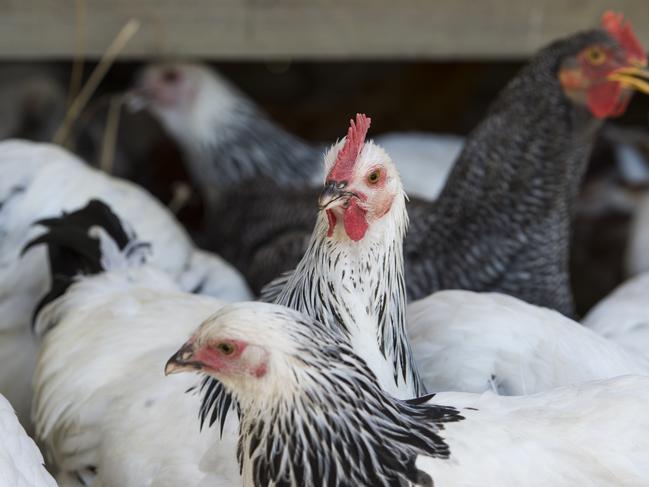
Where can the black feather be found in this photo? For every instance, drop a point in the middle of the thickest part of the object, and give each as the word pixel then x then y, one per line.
pixel 72 251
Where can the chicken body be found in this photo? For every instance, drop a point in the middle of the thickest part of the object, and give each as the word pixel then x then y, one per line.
pixel 42 180
pixel 102 327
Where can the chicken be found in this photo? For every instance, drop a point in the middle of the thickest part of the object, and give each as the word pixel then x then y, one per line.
pixel 502 221
pixel 312 413
pixel 21 463
pixel 41 180
pixel 106 309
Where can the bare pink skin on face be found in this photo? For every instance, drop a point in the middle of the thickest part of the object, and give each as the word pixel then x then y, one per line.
pixel 170 88
pixel 211 358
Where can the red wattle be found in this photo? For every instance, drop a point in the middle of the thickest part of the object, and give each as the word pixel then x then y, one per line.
pixel 354 221
pixel 604 100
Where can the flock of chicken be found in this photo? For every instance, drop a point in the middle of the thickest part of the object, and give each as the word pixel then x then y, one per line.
pixel 371 306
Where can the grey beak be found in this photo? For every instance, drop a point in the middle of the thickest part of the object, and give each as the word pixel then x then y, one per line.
pixel 331 192
pixel 183 360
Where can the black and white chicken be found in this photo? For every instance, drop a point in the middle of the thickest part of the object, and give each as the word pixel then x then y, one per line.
pixel 312 413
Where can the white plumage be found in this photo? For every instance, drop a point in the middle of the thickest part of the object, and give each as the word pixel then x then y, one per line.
pixel 474 342
pixel 151 434
pixel 42 180
pixel 623 316
pixel 103 326
pixel 589 434
pixel 21 463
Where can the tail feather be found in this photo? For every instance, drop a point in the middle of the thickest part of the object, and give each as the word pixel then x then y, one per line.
pixel 87 241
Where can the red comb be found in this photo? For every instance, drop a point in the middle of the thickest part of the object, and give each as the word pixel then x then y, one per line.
pixel 622 31
pixel 342 168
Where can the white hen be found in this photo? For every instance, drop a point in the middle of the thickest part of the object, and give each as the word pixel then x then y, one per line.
pixel 96 327
pixel 42 180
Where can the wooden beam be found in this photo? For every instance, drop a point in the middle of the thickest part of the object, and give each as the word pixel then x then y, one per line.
pixel 306 29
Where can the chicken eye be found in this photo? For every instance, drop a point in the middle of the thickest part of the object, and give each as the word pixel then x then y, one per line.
pixel 374 176
pixel 225 348
pixel 595 56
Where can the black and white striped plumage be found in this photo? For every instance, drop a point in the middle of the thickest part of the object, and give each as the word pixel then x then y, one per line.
pixel 317 416
pixel 225 137
pixel 356 287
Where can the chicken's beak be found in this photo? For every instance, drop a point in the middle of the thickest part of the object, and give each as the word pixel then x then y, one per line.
pixel 333 194
pixel 183 360
pixel 635 77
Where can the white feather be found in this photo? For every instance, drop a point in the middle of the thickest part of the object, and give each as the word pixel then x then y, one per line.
pixel 592 434
pixel 43 180
pixel 21 463
pixel 623 316
pixel 474 342
pixel 104 324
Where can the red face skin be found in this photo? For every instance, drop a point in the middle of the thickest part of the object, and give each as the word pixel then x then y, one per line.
pixel 585 80
pixel 364 206
pixel 212 358
pixel 168 87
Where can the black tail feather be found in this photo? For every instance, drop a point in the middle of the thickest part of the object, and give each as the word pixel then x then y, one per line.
pixel 72 250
